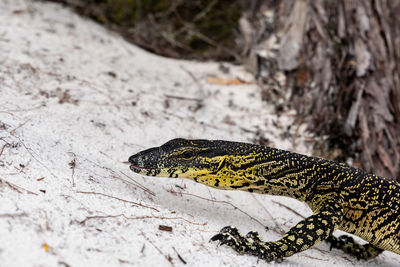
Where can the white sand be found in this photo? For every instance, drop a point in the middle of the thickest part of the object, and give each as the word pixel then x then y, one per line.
pixel 70 91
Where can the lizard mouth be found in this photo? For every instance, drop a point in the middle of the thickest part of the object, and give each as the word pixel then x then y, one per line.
pixel 134 167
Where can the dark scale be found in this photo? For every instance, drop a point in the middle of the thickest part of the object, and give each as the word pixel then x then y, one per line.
pixel 341 197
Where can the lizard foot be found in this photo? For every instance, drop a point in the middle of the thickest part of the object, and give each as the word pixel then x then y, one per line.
pixel 251 244
pixel 349 246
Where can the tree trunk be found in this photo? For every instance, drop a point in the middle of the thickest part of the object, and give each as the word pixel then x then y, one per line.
pixel 341 60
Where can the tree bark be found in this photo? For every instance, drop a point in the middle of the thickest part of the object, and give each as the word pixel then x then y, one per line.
pixel 341 60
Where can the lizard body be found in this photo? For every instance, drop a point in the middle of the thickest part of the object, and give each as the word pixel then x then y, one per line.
pixel 340 196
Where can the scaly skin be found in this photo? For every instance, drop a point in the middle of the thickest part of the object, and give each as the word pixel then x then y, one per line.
pixel 340 196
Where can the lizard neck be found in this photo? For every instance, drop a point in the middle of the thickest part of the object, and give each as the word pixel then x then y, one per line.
pixel 284 173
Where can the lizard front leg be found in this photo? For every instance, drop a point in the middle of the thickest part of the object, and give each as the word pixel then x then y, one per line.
pixel 302 236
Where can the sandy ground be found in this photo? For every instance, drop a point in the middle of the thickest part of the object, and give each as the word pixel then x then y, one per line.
pixel 75 102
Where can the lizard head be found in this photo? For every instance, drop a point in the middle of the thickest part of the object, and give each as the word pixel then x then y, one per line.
pixel 220 164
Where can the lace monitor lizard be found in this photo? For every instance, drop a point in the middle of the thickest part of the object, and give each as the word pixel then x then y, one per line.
pixel 340 196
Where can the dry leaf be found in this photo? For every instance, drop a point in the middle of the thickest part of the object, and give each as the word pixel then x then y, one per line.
pixel 226 81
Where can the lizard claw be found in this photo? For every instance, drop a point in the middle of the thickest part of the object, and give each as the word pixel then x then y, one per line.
pixel 223 238
pixel 216 237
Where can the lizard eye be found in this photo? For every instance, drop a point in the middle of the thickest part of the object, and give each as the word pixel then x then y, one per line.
pixel 187 154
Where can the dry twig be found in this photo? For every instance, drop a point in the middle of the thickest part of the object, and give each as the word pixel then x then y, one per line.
pixel 288 208
pixel 12 132
pixel 200 104
pixel 17 187
pixel 13 215
pixel 223 202
pixel 32 152
pixel 183 98
pixel 72 165
pixel 269 214
pixel 179 256
pixel 168 258
pixel 137 184
pixel 138 218
pixel 314 258
pixel 120 199
pixel 2 149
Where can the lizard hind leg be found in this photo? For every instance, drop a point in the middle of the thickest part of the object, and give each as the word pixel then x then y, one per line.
pixel 350 246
